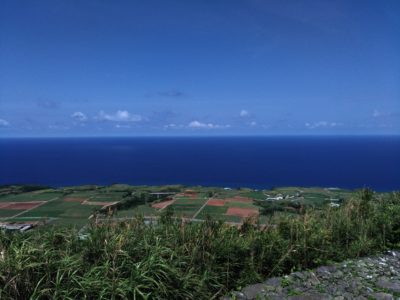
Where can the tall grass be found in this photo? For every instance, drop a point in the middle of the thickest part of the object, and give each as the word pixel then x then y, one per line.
pixel 176 260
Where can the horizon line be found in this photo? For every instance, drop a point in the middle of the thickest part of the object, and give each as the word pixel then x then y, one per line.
pixel 203 136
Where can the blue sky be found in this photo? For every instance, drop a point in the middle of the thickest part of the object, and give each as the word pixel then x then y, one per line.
pixel 128 68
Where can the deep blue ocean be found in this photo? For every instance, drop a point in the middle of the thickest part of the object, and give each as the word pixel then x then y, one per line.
pixel 258 162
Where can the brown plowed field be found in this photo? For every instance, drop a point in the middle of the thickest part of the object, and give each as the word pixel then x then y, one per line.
pixel 162 205
pixel 242 212
pixel 190 195
pixel 20 205
pixel 216 202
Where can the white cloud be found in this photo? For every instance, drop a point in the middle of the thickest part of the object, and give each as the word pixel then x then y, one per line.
pixel 119 116
pixel 173 126
pixel 322 124
pixel 4 123
pixel 254 123
pixel 79 116
pixel 244 113
pixel 378 114
pixel 200 125
pixel 196 125
pixel 119 126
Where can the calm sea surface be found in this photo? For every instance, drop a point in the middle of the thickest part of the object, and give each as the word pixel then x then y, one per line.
pixel 258 162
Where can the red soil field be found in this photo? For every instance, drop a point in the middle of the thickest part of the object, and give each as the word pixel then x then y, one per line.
pixel 70 199
pixel 241 212
pixel 216 202
pixel 190 193
pixel 163 204
pixel 3 204
pixel 20 205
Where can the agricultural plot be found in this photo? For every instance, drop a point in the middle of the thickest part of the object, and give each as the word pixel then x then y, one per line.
pixel 14 205
pixel 188 205
pixel 216 213
pixel 163 204
pixel 185 210
pixel 58 209
pixel 258 195
pixel 81 195
pixel 95 198
pixel 235 208
pixel 242 212
pixel 63 206
pixel 143 209
pixel 6 213
pixel 31 196
pixel 108 197
pixel 227 194
pixel 224 205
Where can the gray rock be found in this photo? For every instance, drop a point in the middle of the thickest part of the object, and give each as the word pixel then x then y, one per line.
pixel 361 279
pixel 326 269
pixel 274 281
pixel 348 296
pixel 254 291
pixel 315 296
pixel 300 275
pixel 393 286
pixel 338 274
pixel 382 296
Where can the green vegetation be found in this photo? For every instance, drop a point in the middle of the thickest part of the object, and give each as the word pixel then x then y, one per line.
pixel 215 212
pixel 204 260
pixel 32 196
pixel 5 213
pixel 60 208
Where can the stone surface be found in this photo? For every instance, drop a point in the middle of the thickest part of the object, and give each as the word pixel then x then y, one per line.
pixel 362 279
pixel 393 286
pixel 254 291
pixel 382 296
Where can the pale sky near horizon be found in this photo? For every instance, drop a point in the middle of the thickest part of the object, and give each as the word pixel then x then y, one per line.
pixel 210 67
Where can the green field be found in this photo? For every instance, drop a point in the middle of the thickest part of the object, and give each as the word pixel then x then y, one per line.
pixel 32 196
pixel 60 209
pixel 5 213
pixel 78 194
pixel 215 212
pixel 143 209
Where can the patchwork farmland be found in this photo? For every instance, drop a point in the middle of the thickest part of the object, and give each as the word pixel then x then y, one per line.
pixel 76 205
pixel 199 204
pixel 54 206
pixel 237 205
